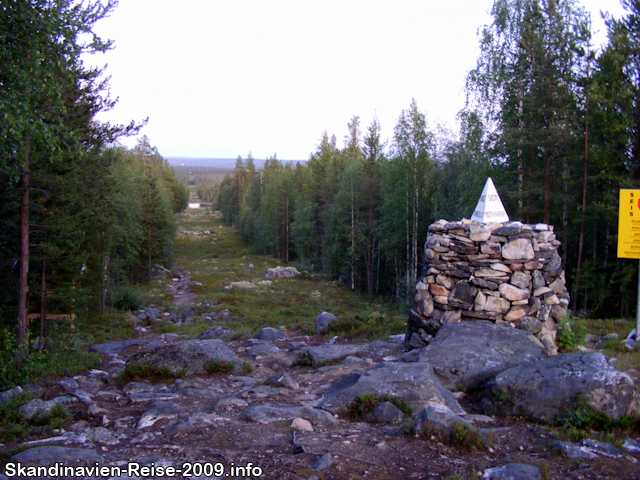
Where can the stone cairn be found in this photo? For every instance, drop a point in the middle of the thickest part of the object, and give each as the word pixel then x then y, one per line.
pixel 508 273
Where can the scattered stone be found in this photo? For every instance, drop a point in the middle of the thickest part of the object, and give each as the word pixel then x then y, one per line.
pixel 9 394
pixel 602 448
pixel 323 321
pixel 513 471
pixel 102 436
pixel 271 335
pixel 631 445
pixel 158 411
pixel 115 348
pixel 152 396
pixel 302 425
pixel 324 462
pixel 230 402
pixel 50 455
pixel 438 418
pixel 282 380
pixel 268 414
pixel 282 272
pixel 387 412
pixel 37 407
pixel 326 354
pixel 217 331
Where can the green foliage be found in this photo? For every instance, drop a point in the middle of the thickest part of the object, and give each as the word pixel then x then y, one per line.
pixel 141 371
pixel 583 419
pixel 464 437
pixel 247 368
pixel 366 403
pixel 217 366
pixel 571 334
pixel 14 427
pixel 66 355
pixel 124 297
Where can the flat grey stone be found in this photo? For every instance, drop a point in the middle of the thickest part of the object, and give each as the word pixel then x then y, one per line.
pixel 8 394
pixel 438 418
pixel 324 462
pixel 217 331
pixel 268 414
pixel 190 356
pixel 574 451
pixel 115 348
pixel 102 436
pixel 602 448
pixel 263 350
pixel 69 384
pixel 387 412
pixel 468 354
pixel 152 396
pixel 282 380
pixel 49 455
pixel 271 334
pixel 325 354
pixel 158 411
pixel 38 407
pixel 630 445
pixel 413 382
pixel 513 471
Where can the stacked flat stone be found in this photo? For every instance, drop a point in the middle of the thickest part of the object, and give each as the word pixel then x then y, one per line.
pixel 509 273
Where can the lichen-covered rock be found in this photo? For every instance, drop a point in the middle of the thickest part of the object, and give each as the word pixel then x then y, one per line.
pixel 323 321
pixel 548 388
pixel 468 354
pixel 189 357
pixel 413 382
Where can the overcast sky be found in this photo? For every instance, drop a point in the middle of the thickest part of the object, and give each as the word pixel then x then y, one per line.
pixel 220 78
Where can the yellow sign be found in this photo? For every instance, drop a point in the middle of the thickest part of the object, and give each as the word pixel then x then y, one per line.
pixel 629 224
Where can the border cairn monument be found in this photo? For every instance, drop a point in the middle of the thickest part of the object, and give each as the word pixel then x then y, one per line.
pixel 490 268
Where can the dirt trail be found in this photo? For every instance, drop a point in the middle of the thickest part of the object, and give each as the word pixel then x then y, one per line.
pixel 207 424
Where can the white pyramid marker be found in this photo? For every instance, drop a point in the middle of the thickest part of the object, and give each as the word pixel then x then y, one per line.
pixel 490 208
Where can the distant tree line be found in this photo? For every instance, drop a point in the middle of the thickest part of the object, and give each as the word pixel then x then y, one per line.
pixel 78 216
pixel 553 120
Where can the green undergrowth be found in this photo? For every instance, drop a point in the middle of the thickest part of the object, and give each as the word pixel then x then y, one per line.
pixel 14 427
pixel 222 257
pixel 365 403
pixel 217 366
pixel 139 371
pixel 585 422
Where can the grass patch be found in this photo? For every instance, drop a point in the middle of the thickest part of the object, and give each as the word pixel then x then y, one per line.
pixel 217 366
pixel 14 427
pixel 571 334
pixel 365 403
pixel 139 371
pixel 580 422
pixel 462 436
pixel 222 257
pixel 66 354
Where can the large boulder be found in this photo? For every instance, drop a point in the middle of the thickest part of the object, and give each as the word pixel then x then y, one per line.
pixel 548 388
pixel 413 382
pixel 189 357
pixel 282 272
pixel 327 354
pixel 467 355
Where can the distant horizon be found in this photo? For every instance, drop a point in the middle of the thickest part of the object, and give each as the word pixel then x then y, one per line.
pixel 217 162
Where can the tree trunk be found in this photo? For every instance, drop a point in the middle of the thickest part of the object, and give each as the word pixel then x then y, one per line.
pixel 23 290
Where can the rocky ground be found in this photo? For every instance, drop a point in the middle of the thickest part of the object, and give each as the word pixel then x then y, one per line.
pixel 260 416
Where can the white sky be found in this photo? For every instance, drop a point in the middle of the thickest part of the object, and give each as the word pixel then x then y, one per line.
pixel 220 78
